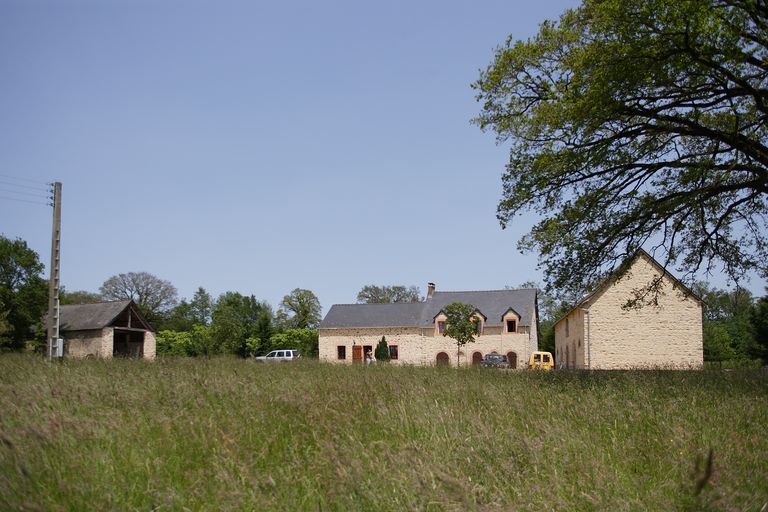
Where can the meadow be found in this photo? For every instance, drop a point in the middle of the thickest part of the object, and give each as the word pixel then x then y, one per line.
pixel 231 434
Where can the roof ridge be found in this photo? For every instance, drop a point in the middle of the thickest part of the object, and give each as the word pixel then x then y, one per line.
pixel 488 291
pixel 100 302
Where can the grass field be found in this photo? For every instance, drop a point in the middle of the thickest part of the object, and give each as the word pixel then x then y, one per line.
pixel 229 434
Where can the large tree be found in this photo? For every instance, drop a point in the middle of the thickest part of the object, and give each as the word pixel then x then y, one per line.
pixel 300 309
pixel 237 318
pixel 23 293
pixel 372 294
pixel 154 296
pixel 637 124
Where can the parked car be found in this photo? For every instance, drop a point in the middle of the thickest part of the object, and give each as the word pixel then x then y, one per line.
pixel 494 360
pixel 541 361
pixel 280 355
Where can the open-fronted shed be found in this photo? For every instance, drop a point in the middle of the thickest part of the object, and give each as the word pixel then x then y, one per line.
pixel 107 329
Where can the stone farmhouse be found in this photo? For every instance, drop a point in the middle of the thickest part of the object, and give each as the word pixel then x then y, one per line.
pixel 106 329
pixel 508 324
pixel 602 333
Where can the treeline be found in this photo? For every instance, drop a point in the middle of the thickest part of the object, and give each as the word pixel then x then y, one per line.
pixel 201 326
pixel 240 325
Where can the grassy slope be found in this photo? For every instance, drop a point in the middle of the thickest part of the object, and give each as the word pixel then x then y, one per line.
pixel 232 434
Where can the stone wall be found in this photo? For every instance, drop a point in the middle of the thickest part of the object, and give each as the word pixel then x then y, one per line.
pixel 94 343
pixel 420 347
pixel 150 345
pixel 667 335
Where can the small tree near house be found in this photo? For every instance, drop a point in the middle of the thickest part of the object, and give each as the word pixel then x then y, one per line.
pixel 460 324
pixel 382 350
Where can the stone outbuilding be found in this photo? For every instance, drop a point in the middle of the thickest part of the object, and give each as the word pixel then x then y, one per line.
pixel 603 332
pixel 106 329
pixel 507 324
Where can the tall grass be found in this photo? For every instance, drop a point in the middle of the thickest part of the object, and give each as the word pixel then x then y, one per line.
pixel 228 434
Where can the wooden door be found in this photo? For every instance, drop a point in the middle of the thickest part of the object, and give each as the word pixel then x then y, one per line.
pixel 512 359
pixel 357 353
pixel 477 357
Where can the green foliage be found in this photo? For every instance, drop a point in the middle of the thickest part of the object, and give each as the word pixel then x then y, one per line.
pixel 304 340
pixel 382 351
pixel 636 123
pixel 195 342
pixel 301 309
pixel 372 294
pixel 227 434
pixel 23 294
pixel 728 329
pixel 461 324
pixel 759 346
pixel 78 297
pixel 188 313
pixel 236 318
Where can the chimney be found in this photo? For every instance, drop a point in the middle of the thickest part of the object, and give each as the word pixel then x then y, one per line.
pixel 430 290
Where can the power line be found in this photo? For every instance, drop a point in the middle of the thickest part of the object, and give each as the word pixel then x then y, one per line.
pixel 24 179
pixel 24 186
pixel 24 193
pixel 24 201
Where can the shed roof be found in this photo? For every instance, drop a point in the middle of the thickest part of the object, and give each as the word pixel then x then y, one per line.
pixel 492 304
pixel 83 317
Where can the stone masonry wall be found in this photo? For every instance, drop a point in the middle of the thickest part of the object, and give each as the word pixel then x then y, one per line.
pixel 83 343
pixel 420 346
pixel 667 335
pixel 150 345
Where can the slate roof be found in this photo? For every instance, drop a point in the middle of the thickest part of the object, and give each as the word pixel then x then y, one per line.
pixel 82 317
pixel 492 304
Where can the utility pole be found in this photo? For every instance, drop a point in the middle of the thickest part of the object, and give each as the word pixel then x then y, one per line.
pixel 53 284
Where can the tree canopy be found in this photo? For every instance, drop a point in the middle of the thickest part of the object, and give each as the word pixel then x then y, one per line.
pixel 153 295
pixel 372 294
pixel 301 309
pixel 23 293
pixel 637 124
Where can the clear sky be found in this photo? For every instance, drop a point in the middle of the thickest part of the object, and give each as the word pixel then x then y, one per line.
pixel 259 147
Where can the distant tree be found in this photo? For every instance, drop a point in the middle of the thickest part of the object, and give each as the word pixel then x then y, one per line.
pixel 372 294
pixel 728 328
pixel 155 297
pixel 301 309
pixel 201 307
pixel 235 319
pixel 759 347
pixel 303 340
pixel 78 297
pixel 637 123
pixel 382 351
pixel 188 313
pixel 460 324
pixel 23 294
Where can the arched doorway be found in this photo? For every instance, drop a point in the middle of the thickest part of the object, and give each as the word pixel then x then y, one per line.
pixel 512 359
pixel 477 357
pixel 443 359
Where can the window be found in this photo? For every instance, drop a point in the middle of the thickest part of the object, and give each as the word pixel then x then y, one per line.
pixel 511 325
pixel 479 326
pixel 567 328
pixel 393 352
pixel 546 358
pixel 341 352
pixel 440 326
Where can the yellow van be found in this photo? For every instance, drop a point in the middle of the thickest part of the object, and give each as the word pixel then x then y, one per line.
pixel 541 361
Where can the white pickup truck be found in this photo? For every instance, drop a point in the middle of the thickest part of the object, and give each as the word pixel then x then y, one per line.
pixel 280 355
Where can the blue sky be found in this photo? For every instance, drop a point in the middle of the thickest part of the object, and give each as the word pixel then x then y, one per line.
pixel 257 147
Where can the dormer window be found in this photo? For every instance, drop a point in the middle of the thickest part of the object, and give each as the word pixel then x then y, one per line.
pixel 479 326
pixel 511 322
pixel 440 326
